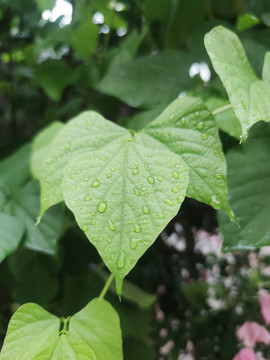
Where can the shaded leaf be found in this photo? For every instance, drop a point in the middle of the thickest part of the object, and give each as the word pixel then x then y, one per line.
pixel 136 82
pixel 11 232
pixel 249 193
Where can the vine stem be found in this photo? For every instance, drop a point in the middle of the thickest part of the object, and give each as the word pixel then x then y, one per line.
pixel 221 109
pixel 106 287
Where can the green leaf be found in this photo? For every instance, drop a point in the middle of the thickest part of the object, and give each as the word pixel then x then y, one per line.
pixel 246 21
pixel 136 82
pixel 84 39
pixel 91 334
pixel 249 95
pixel 40 146
pixel 98 325
pixel 11 232
pixel 124 189
pixel 19 198
pixel 249 192
pixel 54 76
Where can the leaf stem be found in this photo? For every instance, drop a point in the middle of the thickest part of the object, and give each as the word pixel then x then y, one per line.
pixel 106 287
pixel 221 109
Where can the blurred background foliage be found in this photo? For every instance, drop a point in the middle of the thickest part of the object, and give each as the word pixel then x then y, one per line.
pixel 126 60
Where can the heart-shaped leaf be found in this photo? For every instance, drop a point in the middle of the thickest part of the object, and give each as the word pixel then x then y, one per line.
pixel 249 95
pixel 124 188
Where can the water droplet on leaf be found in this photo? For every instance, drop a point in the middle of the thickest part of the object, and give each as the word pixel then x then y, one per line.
pixel 121 260
pixel 168 202
pixel 151 180
pixel 137 228
pixel 95 183
pixel 102 206
pixel 146 210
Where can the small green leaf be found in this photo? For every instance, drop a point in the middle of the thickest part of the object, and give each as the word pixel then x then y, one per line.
pixel 91 334
pixel 11 232
pixel 249 95
pixel 246 21
pixel 249 192
pixel 124 190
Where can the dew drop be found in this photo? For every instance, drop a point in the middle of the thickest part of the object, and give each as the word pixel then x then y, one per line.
pixel 159 178
pixel 113 168
pixel 109 175
pixel 134 243
pixel 160 215
pixel 102 206
pixel 111 226
pixel 109 240
pixel 104 158
pixel 49 161
pixel 137 228
pixel 87 197
pixel 121 260
pixel 155 188
pixel 92 212
pixel 95 183
pixel 183 121
pixel 136 192
pixel 218 176
pixel 200 126
pixel 175 189
pixel 151 180
pixel 135 171
pixel 180 199
pixel 143 188
pixel 84 228
pixel 86 179
pixel 147 166
pixel 93 222
pixel 168 202
pixel 175 174
pixel 204 136
pixel 177 166
pixel 146 210
pixel 73 187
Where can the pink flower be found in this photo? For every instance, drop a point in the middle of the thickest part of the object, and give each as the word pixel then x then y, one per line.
pixel 265 307
pixel 245 354
pixel 251 333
